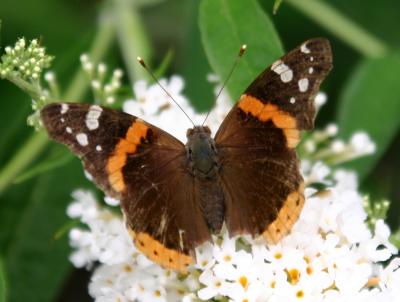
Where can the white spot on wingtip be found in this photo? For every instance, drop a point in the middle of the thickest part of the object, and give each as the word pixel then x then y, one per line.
pixel 92 117
pixel 311 59
pixel 304 48
pixel 287 76
pixel 283 70
pixel 292 100
pixel 310 70
pixel 68 129
pixel 62 120
pixel 99 148
pixel 303 85
pixel 82 139
pixel 275 64
pixel 64 108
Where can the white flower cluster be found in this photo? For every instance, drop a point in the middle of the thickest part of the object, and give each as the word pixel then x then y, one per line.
pixel 325 146
pixel 24 61
pixel 330 254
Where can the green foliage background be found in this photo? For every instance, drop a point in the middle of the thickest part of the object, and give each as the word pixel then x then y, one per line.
pixel 203 36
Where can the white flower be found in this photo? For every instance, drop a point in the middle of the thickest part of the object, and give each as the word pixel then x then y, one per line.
pixel 362 143
pixel 214 285
pixel 320 100
pixel 318 173
pixel 107 239
pixel 111 201
pixel 153 105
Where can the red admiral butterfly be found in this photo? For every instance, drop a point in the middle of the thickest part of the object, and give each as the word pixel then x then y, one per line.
pixel 174 196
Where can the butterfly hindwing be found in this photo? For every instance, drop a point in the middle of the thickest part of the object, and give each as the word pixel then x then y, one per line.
pixel 256 142
pixel 142 166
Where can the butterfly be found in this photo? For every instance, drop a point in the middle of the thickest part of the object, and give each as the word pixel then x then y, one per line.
pixel 175 196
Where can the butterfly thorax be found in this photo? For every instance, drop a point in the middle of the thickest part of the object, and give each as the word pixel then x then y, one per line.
pixel 201 152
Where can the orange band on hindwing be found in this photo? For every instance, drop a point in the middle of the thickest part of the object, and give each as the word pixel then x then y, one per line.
pixel 157 252
pixel 266 112
pixel 287 216
pixel 127 145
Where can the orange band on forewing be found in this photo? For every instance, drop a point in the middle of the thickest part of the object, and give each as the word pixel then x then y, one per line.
pixel 264 113
pixel 250 105
pixel 125 146
pixel 155 251
pixel 287 216
pixel 292 137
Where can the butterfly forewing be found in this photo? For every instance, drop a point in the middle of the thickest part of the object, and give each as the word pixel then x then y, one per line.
pixel 260 170
pixel 144 167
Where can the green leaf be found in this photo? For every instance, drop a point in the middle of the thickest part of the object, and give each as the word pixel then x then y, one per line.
pixel 371 102
pixel 3 284
pixel 226 25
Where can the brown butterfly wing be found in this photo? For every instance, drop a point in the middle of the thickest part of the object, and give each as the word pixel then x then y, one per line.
pixel 256 143
pixel 142 166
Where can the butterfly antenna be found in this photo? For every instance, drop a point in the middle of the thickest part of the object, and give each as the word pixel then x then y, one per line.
pixel 240 54
pixel 141 62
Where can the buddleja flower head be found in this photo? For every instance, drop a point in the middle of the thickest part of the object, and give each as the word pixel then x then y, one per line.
pixel 335 252
pixel 24 60
pixel 23 65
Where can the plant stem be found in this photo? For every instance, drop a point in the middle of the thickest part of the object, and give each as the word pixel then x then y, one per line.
pixel 25 86
pixel 334 21
pixel 132 37
pixel 33 146
pixel 37 142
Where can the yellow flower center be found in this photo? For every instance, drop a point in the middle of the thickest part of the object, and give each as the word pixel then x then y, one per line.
pixel 300 294
pixel 157 293
pixel 294 276
pixel 227 258
pixel 243 281
pixel 278 255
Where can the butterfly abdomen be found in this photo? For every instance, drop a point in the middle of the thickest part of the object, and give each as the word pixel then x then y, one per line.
pixel 211 202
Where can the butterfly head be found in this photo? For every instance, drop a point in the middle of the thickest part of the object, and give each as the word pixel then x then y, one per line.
pixel 201 151
pixel 198 131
